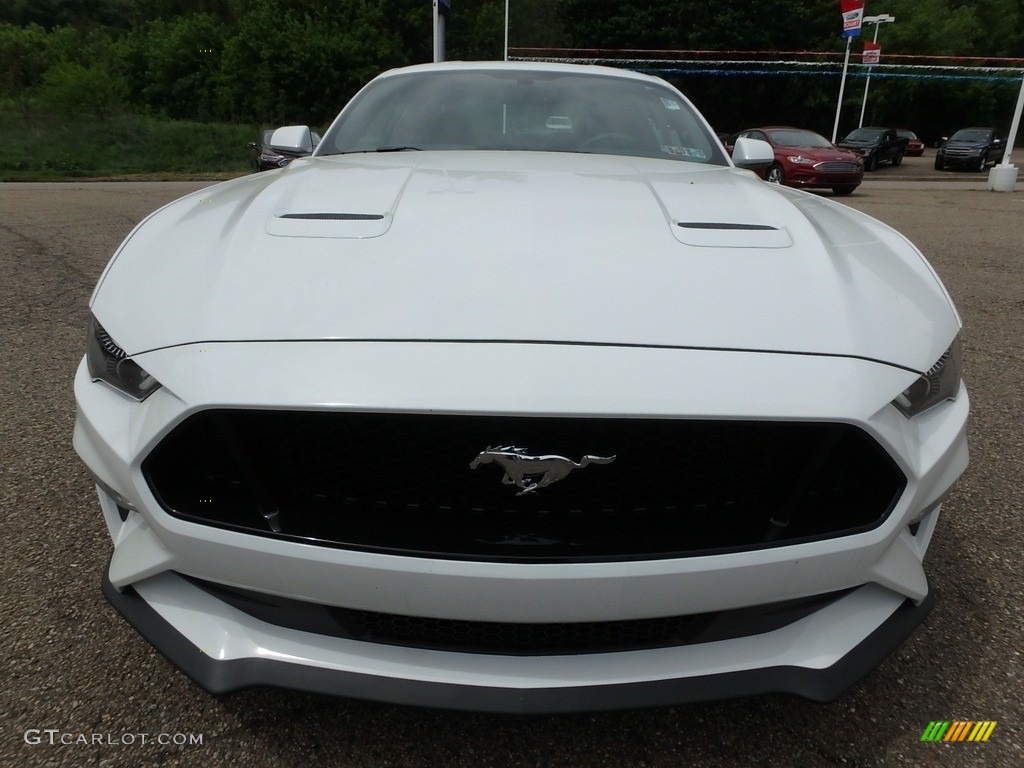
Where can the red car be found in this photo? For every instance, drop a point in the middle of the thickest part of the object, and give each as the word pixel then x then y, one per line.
pixel 808 160
pixel 915 147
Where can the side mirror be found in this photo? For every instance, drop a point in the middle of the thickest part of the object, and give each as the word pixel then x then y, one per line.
pixel 294 140
pixel 752 153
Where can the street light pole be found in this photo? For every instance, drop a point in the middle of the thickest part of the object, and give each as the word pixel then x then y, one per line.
pixel 877 21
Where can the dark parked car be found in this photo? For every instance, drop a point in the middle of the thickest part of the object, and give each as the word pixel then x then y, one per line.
pixel 972 148
pixel 915 147
pixel 806 159
pixel 265 158
pixel 876 145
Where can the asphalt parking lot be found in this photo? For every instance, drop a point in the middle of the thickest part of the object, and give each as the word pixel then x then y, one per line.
pixel 74 671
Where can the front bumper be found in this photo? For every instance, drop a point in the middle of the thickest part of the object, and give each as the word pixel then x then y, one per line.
pixel 812 180
pixel 225 649
pixel 959 161
pixel 516 685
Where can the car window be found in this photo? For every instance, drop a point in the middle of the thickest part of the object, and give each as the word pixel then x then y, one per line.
pixel 799 138
pixel 971 134
pixel 864 134
pixel 492 110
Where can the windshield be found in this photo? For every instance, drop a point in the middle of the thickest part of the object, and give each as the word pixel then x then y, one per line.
pixel 522 110
pixel 907 135
pixel 864 134
pixel 971 134
pixel 791 138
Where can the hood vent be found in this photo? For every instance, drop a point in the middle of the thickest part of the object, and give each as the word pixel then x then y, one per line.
pixel 724 225
pixel 343 225
pixel 334 216
pixel 727 234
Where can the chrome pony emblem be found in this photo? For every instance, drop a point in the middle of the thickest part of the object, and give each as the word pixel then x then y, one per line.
pixel 528 473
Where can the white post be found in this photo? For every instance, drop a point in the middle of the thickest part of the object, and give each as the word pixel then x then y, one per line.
pixel 1003 177
pixel 437 34
pixel 867 82
pixel 842 87
pixel 506 30
pixel 441 8
pixel 1011 137
pixel 882 18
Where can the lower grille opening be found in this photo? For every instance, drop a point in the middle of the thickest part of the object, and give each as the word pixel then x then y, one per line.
pixel 403 483
pixel 516 639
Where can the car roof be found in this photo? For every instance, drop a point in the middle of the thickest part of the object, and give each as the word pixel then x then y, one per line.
pixel 521 66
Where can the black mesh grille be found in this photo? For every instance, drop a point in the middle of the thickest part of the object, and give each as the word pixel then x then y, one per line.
pixel 402 483
pixel 516 638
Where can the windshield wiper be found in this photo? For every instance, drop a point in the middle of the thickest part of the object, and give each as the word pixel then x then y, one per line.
pixel 397 149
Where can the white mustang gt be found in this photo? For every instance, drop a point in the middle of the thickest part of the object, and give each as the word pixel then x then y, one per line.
pixel 519 395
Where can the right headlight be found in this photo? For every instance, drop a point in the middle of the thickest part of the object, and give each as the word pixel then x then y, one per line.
pixel 108 362
pixel 939 383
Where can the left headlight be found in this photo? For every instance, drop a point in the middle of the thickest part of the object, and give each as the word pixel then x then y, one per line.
pixel 800 160
pixel 939 383
pixel 108 362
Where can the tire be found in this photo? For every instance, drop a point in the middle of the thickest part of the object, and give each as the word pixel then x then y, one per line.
pixel 843 191
pixel 898 159
pixel 775 175
pixel 871 162
pixel 939 165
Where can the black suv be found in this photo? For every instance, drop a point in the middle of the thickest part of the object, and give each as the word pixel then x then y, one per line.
pixel 972 148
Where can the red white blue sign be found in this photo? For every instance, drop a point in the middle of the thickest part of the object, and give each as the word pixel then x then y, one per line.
pixel 853 15
pixel 872 52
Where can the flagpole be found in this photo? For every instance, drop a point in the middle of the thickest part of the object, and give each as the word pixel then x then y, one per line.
pixel 842 87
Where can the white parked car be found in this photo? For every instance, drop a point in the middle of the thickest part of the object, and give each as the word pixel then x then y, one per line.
pixel 518 395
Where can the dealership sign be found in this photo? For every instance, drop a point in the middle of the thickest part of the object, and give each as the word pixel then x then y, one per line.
pixel 872 52
pixel 853 15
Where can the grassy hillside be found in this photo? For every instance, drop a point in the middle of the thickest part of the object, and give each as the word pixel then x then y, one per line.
pixel 37 147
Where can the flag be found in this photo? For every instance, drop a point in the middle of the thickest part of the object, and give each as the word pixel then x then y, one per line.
pixel 853 14
pixel 872 52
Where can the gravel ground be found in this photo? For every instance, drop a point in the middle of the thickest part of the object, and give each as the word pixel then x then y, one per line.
pixel 73 667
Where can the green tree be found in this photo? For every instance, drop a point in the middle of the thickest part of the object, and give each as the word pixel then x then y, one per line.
pixel 23 58
pixel 72 89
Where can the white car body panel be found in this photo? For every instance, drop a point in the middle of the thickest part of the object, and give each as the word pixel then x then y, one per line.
pixel 553 285
pixel 591 254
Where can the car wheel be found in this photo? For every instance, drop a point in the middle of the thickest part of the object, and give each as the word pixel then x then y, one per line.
pixel 776 175
pixel 871 162
pixel 939 165
pixel 898 159
pixel 843 190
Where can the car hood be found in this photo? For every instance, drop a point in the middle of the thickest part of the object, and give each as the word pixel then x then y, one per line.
pixel 499 246
pixel 818 153
pixel 965 144
pixel 857 143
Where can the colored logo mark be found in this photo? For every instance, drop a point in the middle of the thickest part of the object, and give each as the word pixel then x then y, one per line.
pixel 958 730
